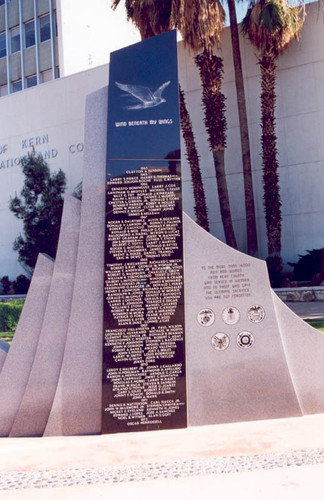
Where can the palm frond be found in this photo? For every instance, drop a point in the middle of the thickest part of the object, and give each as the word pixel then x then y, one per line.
pixel 114 4
pixel 200 22
pixel 271 25
pixel 273 16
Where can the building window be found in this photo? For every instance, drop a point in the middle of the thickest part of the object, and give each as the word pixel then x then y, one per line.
pixel 54 23
pixel 29 34
pixel 46 76
pixel 16 86
pixel 3 49
pixel 15 39
pixel 31 81
pixel 3 90
pixel 44 28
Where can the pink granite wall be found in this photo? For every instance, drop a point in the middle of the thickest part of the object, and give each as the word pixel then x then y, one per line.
pixel 19 360
pixel 35 407
pixel 77 405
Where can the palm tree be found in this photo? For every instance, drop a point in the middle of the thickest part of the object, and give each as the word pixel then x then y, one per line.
pixel 204 18
pixel 271 25
pixel 200 207
pixel 200 23
pixel 153 18
pixel 252 239
pixel 150 17
pixel 211 74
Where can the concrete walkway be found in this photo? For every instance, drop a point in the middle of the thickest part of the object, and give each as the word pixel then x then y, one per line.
pixel 307 310
pixel 273 459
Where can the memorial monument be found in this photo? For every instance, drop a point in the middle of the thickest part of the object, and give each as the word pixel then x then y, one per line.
pixel 146 321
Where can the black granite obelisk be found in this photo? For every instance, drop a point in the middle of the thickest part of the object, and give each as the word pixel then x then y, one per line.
pixel 144 385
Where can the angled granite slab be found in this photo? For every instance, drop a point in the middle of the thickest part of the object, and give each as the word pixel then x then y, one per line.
pixel 36 404
pixel 304 349
pixel 76 407
pixel 19 360
pixel 236 363
pixel 4 348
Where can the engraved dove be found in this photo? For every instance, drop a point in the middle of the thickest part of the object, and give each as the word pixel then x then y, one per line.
pixel 147 98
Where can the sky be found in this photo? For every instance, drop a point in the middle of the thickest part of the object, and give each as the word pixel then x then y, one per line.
pixel 91 30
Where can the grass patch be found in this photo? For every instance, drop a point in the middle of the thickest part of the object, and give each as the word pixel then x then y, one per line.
pixel 7 336
pixel 9 317
pixel 317 323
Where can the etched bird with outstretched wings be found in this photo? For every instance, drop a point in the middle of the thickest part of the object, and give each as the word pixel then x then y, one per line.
pixel 147 98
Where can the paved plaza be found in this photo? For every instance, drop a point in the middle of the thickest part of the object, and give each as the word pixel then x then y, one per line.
pixel 305 310
pixel 281 458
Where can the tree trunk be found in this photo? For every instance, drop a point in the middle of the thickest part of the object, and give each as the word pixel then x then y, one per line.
pixel 211 73
pixel 193 159
pixel 252 239
pixel 271 189
pixel 200 207
pixel 219 162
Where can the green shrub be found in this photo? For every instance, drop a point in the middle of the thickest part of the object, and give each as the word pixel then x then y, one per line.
pixel 274 265
pixel 9 315
pixel 39 207
pixel 309 265
pixel 7 336
pixel 6 285
pixel 21 284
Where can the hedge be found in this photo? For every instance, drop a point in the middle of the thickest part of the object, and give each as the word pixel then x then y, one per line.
pixel 9 315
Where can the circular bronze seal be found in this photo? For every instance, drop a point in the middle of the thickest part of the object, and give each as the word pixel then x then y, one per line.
pixel 206 317
pixel 231 315
pixel 245 340
pixel 220 341
pixel 256 313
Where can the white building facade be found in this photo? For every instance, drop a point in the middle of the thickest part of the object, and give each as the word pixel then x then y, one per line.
pixel 28 44
pixel 50 118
